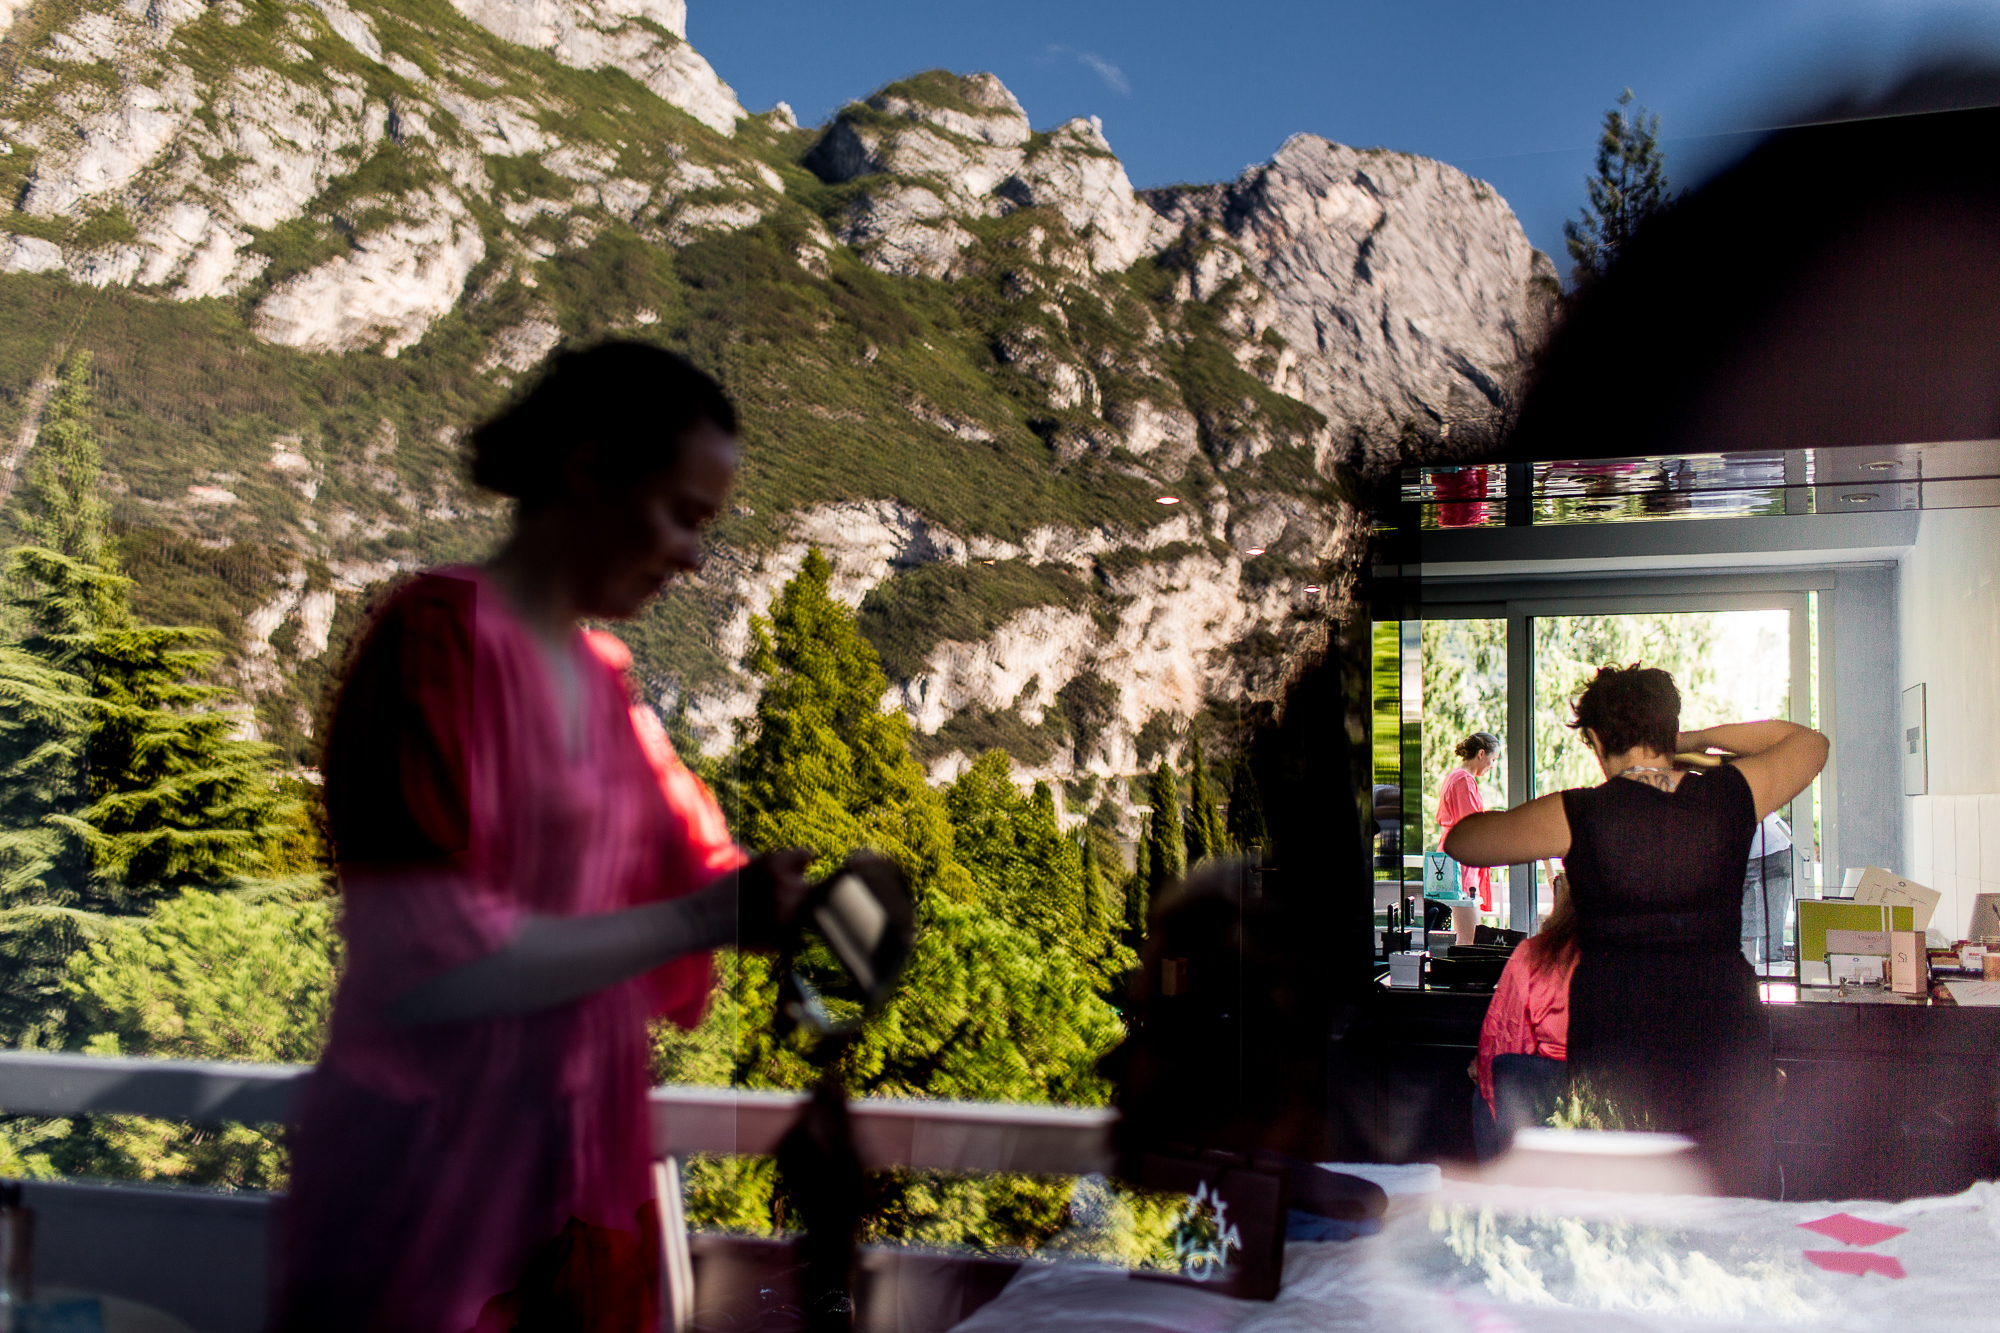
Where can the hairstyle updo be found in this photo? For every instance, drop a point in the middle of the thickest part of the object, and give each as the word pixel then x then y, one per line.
pixel 1628 707
pixel 1479 742
pixel 632 401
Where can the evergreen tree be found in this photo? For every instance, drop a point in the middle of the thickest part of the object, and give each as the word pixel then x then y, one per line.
pixel 1026 870
pixel 1246 811
pixel 1629 186
pixel 68 511
pixel 1096 914
pixel 118 779
pixel 987 1010
pixel 1203 833
pixel 1165 847
pixel 824 767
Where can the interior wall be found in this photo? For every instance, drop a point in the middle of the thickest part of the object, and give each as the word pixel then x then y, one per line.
pixel 1948 590
pixel 1868 805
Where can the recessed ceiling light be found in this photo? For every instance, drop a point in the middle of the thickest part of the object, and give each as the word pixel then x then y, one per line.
pixel 1168 500
pixel 1255 550
pixel 1860 497
pixel 1884 466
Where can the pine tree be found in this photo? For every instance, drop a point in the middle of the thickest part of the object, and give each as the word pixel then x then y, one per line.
pixel 1204 833
pixel 1629 186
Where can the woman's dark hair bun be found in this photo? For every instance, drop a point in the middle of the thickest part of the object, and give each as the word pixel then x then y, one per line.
pixel 1479 742
pixel 631 401
pixel 1628 707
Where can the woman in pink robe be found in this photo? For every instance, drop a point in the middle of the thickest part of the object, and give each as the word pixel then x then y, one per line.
pixel 522 892
pixel 1460 797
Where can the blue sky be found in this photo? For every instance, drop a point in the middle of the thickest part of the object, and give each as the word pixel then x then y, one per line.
pixel 1510 92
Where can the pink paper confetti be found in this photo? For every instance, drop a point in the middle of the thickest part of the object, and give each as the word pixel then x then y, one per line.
pixel 1852 1230
pixel 1857 1262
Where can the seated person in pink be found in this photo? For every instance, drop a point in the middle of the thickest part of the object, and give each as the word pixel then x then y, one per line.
pixel 1525 1041
pixel 526 880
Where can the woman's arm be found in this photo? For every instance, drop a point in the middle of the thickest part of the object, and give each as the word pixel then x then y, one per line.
pixel 1510 837
pixel 555 959
pixel 1778 759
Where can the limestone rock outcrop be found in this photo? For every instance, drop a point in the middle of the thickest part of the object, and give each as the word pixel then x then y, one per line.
pixel 952 148
pixel 1405 289
pixel 390 288
pixel 645 38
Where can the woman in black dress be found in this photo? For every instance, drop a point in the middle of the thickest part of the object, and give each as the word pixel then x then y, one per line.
pixel 1664 1014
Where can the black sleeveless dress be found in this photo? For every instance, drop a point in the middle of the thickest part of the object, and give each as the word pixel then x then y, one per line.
pixel 1663 1011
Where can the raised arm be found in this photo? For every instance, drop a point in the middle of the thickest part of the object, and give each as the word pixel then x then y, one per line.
pixel 1510 837
pixel 555 959
pixel 1778 759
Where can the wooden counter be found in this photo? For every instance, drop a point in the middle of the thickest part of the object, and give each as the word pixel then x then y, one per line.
pixel 1884 1101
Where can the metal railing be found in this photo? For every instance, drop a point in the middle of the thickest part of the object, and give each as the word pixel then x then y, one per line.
pixel 200 1254
pixel 939 1135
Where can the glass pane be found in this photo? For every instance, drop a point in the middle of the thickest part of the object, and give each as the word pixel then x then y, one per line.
pixel 1465 691
pixel 1731 666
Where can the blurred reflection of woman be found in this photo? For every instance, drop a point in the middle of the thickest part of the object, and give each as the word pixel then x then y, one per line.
pixel 1664 1014
pixel 1477 754
pixel 473 1149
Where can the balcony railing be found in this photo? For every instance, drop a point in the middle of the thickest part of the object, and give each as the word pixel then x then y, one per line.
pixel 200 1254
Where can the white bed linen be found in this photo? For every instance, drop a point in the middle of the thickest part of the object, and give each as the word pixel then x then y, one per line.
pixel 1605 1263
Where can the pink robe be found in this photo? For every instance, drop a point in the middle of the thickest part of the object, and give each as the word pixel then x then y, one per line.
pixel 429 1163
pixel 1460 798
pixel 1529 1014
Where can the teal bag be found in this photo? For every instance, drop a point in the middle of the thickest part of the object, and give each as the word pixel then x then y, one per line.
pixel 1442 877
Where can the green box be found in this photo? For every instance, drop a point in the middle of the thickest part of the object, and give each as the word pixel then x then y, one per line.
pixel 1817 916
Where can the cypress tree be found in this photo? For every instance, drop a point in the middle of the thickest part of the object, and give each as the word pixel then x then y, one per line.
pixel 1165 847
pixel 1204 833
pixel 1246 811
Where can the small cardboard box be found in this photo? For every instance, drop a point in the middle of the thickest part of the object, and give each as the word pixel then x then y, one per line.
pixel 1909 965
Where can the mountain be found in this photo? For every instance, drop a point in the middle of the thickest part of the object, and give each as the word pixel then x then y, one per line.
pixel 309 241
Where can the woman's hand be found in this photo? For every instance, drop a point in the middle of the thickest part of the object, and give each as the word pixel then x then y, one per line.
pixel 769 892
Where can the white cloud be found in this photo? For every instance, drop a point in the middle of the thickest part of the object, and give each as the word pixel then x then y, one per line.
pixel 1114 77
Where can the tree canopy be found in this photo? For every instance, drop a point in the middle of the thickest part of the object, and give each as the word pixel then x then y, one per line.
pixel 1629 184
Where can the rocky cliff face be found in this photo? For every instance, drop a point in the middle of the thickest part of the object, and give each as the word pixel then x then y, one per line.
pixel 972 358
pixel 1405 290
